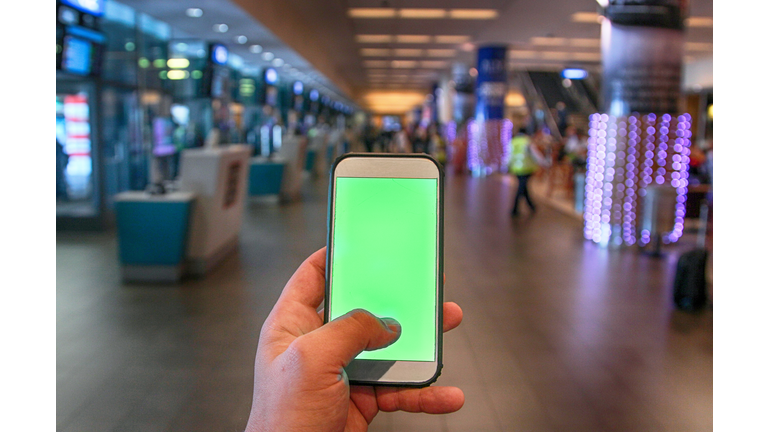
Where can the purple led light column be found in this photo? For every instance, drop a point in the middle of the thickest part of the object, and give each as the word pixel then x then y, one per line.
pixel 626 155
pixel 483 158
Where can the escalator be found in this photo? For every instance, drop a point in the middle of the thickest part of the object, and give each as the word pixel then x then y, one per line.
pixel 544 90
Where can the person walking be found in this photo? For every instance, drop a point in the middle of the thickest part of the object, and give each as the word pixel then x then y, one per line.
pixel 524 163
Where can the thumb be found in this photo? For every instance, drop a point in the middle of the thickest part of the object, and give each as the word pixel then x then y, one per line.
pixel 344 338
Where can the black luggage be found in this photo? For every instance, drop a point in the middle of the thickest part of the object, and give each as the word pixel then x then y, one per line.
pixel 690 287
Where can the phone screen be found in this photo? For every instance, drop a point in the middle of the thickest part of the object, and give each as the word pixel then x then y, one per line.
pixel 384 259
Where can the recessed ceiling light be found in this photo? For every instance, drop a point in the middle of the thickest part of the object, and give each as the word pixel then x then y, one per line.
pixel 422 13
pixel 555 55
pixel 278 62
pixel 441 52
pixel 407 52
pixel 586 17
pixel 375 63
pixel 413 38
pixel 194 12
pixel 433 64
pixel 473 13
pixel 452 39
pixel 403 64
pixel 698 46
pixel 241 39
pixel 220 28
pixel 256 49
pixel 584 42
pixel 287 66
pixel 699 22
pixel 371 38
pixel 267 56
pixel 582 56
pixel 374 52
pixel 371 13
pixel 523 54
pixel 548 41
pixel 467 47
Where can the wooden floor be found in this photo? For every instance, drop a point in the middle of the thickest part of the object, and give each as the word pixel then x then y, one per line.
pixel 559 334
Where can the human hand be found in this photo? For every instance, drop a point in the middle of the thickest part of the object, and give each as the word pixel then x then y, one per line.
pixel 299 381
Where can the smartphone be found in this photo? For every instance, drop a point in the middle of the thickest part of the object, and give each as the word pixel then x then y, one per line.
pixel 385 255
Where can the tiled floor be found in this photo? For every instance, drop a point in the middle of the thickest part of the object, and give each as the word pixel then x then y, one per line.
pixel 558 334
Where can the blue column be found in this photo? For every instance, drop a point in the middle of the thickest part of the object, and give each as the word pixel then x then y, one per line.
pixel 489 133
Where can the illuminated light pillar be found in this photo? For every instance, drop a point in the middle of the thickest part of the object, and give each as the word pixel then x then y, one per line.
pixel 640 143
pixel 488 149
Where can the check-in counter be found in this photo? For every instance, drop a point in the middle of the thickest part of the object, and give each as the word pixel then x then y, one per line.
pixel 152 232
pixel 218 177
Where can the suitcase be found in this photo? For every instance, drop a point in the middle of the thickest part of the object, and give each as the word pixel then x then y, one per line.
pixel 690 286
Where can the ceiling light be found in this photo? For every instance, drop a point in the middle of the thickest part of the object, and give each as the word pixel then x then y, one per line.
pixel 582 56
pixel 467 47
pixel 523 54
pixel 699 22
pixel 473 13
pixel 374 52
pixel 441 52
pixel 220 28
pixel 586 17
pixel 178 63
pixel 433 64
pixel 422 13
pixel 403 64
pixel 514 100
pixel 473 72
pixel 256 49
pixel 452 39
pixel 371 13
pixel 178 74
pixel 698 46
pixel 548 41
pixel 375 63
pixel 584 42
pixel 194 12
pixel 403 52
pixel 555 55
pixel 277 62
pixel 371 38
pixel 286 65
pixel 267 56
pixel 413 38
pixel 241 39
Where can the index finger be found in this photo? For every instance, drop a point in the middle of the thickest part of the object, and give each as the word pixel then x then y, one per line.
pixel 307 285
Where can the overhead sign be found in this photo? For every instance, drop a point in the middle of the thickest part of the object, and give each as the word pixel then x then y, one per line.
pixel 93 7
pixel 219 54
pixel 574 74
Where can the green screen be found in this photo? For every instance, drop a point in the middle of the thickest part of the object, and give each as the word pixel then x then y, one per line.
pixel 385 259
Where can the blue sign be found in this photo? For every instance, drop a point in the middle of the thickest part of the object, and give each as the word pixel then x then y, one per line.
pixel 219 54
pixel 491 82
pixel 270 76
pixel 298 88
pixel 574 74
pixel 93 7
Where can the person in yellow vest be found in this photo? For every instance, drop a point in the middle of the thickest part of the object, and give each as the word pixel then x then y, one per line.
pixel 525 161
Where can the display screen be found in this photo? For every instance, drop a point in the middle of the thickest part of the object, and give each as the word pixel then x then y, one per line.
pixel 95 7
pixel 384 259
pixel 77 55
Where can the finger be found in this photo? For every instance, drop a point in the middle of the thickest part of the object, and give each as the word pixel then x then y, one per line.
pixel 452 316
pixel 364 399
pixel 344 338
pixel 307 285
pixel 431 400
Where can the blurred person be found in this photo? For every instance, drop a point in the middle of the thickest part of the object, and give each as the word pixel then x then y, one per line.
pixel 459 149
pixel 369 136
pixel 420 140
pixel 525 161
pixel 697 165
pixel 401 142
pixel 62 160
pixel 299 380
pixel 437 145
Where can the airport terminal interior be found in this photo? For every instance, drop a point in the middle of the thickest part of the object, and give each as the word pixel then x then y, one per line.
pixel 195 149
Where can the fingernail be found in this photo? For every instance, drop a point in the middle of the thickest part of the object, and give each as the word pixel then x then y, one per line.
pixel 391 324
